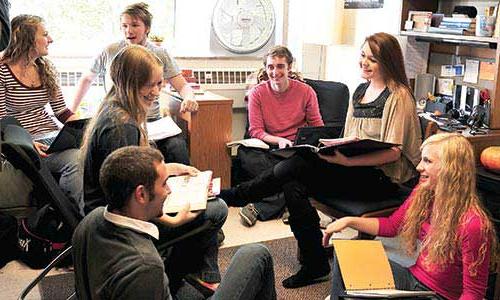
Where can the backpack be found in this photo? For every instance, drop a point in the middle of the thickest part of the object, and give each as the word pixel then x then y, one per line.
pixel 42 236
pixel 8 236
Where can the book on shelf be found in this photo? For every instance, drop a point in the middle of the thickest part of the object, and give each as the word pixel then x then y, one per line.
pixel 421 20
pixel 251 143
pixel 366 271
pixel 162 128
pixel 185 189
pixel 349 146
pixel 458 31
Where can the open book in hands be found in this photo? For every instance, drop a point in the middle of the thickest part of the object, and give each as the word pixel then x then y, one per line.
pixel 188 189
pixel 250 143
pixel 350 146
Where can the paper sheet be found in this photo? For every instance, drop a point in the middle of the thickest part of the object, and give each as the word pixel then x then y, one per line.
pixel 162 128
pixel 471 70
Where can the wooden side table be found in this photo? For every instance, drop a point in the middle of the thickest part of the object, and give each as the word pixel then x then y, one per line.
pixel 208 130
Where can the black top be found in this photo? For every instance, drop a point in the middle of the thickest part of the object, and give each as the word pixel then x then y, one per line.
pixel 4 24
pixel 373 109
pixel 106 137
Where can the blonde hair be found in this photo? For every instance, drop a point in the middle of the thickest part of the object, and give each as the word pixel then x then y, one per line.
pixel 447 205
pixel 131 69
pixel 22 45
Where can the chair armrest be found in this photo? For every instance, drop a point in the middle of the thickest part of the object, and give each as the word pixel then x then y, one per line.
pixel 47 269
pixel 161 248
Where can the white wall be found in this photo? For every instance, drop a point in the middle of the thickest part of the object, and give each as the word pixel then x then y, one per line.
pixel 342 59
pixel 312 25
pixel 193 37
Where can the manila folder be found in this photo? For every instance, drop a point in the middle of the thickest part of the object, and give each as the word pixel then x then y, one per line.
pixel 363 265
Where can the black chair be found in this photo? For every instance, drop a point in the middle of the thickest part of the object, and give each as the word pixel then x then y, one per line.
pixel 333 100
pixel 338 207
pixel 17 147
pixel 68 251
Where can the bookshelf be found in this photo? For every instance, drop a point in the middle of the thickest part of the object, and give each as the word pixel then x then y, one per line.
pixel 484 48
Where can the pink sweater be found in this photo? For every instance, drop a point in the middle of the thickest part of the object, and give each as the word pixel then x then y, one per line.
pixel 281 114
pixel 453 281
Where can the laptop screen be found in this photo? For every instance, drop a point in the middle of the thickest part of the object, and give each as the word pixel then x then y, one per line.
pixel 311 135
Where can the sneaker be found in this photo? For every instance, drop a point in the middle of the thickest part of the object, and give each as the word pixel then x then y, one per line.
pixel 305 277
pixel 248 215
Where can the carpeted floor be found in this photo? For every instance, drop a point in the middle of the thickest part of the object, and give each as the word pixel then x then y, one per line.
pixel 284 253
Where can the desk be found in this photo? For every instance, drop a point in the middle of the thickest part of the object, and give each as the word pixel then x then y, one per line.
pixel 479 141
pixel 482 141
pixel 208 130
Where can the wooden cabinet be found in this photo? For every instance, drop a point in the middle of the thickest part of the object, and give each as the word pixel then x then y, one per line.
pixel 464 46
pixel 208 130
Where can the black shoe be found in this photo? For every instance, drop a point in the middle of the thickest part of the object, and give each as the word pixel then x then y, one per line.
pixel 220 237
pixel 305 277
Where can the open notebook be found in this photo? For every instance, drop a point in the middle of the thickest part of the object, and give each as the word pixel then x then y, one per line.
pixel 366 271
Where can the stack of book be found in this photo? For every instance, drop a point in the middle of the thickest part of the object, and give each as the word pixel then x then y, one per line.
pixel 457 24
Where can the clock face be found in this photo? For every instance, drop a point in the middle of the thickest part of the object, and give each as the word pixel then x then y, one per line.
pixel 243 26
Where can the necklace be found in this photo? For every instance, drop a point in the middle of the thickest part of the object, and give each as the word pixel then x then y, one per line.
pixel 29 75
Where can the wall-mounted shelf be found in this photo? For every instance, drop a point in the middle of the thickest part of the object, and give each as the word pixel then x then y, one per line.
pixel 462 45
pixel 466 40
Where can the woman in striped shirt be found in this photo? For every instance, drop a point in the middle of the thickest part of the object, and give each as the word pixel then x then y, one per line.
pixel 28 83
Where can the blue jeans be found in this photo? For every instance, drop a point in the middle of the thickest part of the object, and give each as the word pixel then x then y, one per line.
pixel 66 165
pixel 198 254
pixel 403 279
pixel 249 276
pixel 174 149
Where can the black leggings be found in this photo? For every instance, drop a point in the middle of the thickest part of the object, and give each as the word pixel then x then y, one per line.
pixel 323 178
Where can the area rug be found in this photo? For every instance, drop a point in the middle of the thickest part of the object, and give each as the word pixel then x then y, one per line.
pixel 284 253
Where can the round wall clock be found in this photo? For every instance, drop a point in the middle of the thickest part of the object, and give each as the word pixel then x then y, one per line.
pixel 243 26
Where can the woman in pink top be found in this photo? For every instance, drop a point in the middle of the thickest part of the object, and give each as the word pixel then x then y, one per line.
pixel 444 214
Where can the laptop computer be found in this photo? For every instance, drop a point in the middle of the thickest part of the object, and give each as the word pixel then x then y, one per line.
pixel 70 136
pixel 311 135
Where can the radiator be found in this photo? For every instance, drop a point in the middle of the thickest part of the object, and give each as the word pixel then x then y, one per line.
pixel 228 82
pixel 231 83
pixel 71 78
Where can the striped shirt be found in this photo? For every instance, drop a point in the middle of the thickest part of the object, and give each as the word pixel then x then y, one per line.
pixel 27 104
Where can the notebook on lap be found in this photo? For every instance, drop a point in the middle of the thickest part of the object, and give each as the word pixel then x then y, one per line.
pixel 70 136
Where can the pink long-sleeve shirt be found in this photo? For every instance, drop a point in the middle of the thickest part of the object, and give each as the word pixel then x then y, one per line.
pixel 453 280
pixel 281 114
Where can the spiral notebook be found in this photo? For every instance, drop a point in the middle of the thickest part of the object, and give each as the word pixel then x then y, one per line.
pixel 366 271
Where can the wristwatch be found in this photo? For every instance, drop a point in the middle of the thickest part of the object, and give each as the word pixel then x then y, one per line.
pixel 243 26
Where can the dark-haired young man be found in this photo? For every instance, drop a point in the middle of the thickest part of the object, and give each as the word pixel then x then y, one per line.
pixel 113 251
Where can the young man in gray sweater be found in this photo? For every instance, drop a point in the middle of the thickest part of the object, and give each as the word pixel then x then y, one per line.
pixel 113 251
